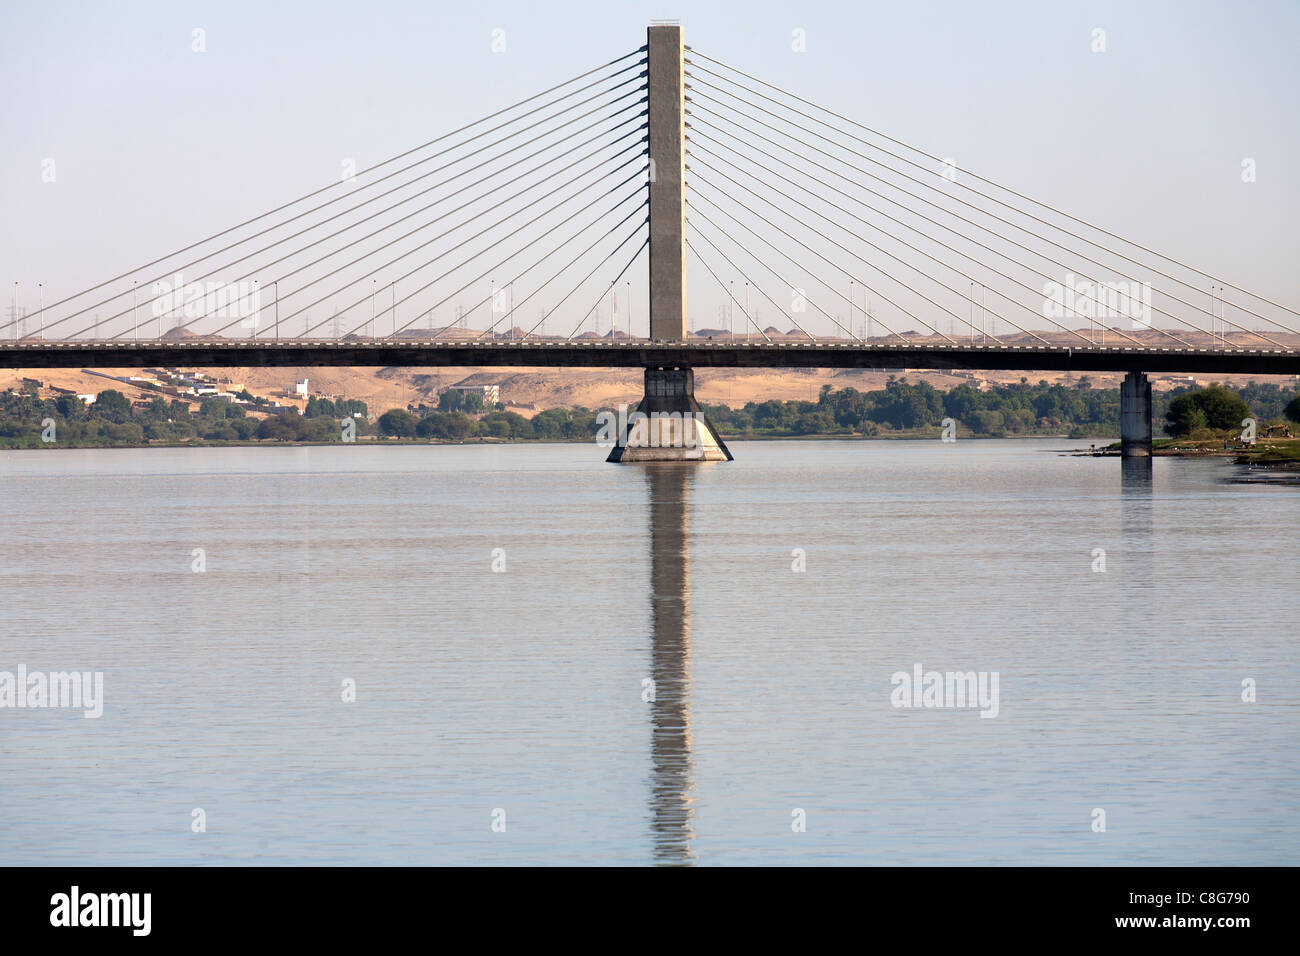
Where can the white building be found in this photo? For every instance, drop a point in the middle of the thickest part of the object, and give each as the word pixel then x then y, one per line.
pixel 491 393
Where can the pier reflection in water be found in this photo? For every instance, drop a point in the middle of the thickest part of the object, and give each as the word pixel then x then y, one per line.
pixel 669 487
pixel 1137 530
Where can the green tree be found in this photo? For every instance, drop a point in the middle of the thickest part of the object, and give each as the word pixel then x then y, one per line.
pixel 317 407
pixel 1210 407
pixel 446 426
pixel 1223 408
pixel 214 408
pixel 277 428
pixel 113 406
pixel 982 421
pixel 1292 410
pixel 397 423
pixel 157 410
pixel 71 408
pixel 245 428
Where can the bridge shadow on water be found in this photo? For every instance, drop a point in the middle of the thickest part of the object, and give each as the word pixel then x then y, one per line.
pixel 669 487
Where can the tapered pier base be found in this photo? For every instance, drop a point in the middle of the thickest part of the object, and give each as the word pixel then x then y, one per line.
pixel 668 424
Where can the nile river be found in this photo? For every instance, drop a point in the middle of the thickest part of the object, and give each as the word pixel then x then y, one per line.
pixel 520 654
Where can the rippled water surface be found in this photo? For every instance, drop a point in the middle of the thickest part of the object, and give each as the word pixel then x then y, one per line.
pixel 521 689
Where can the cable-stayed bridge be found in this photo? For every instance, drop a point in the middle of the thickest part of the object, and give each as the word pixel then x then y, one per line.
pixel 872 253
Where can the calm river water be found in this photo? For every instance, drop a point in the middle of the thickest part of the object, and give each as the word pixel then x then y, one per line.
pixel 556 660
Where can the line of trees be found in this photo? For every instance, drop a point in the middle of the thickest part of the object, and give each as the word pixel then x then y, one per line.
pixel 328 408
pixel 1077 410
pixel 1017 409
pixel 1021 409
pixel 25 420
pixel 554 424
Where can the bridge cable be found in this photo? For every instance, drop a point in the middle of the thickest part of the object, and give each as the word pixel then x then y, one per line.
pixel 374 167
pixel 600 149
pixel 691 224
pixel 985 211
pixel 729 292
pixel 789 285
pixel 572 262
pixel 991 182
pixel 482 232
pixel 522 248
pixel 372 252
pixel 1178 319
pixel 186 324
pixel 546 256
pixel 380 196
pixel 983 228
pixel 546 315
pixel 604 292
pixel 896 258
pixel 709 139
pixel 822 235
pixel 792 261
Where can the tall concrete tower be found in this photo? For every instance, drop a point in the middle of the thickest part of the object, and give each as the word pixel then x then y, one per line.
pixel 666 92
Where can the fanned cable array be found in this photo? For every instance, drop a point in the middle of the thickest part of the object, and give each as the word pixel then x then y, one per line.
pixel 486 219
pixel 821 216
pixel 841 229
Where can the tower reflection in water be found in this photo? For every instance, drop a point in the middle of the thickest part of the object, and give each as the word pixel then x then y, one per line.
pixel 669 487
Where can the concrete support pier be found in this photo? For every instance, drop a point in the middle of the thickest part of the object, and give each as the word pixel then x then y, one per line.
pixel 1135 416
pixel 668 424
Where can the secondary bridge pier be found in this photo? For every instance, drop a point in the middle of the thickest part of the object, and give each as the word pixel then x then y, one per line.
pixel 674 428
pixel 1135 416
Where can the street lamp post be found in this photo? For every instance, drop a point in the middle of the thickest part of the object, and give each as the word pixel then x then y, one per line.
pixel 731 307
pixel 852 316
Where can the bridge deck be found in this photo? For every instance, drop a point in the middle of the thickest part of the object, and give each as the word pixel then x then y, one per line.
pixel 641 354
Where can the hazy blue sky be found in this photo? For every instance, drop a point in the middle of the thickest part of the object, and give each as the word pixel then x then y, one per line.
pixel 155 146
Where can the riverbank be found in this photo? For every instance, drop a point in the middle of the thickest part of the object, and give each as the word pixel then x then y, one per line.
pixel 1282 454
pixel 915 434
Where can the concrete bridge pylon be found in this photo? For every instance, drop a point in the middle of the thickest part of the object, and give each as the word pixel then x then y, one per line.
pixel 671 426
